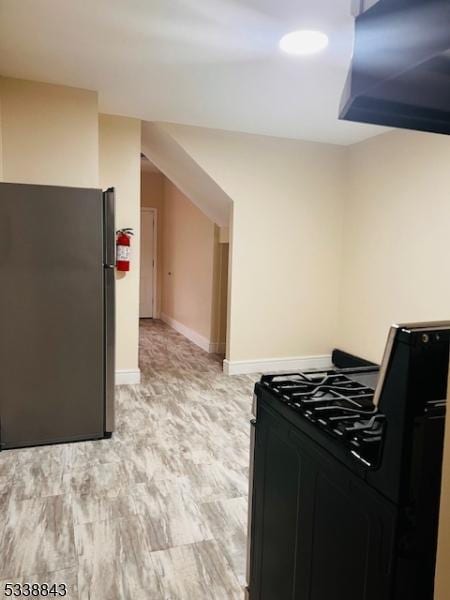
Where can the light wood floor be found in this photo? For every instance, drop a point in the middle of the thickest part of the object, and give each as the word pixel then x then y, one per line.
pixel 159 511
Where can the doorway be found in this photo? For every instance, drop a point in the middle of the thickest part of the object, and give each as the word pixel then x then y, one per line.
pixel 148 263
pixel 190 270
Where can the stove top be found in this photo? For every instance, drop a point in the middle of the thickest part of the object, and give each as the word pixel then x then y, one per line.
pixel 340 403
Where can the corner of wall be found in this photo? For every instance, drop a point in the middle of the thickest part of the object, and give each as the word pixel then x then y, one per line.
pixel 215 284
pixel 119 163
pixel 228 332
pixel 1 137
pixel 346 193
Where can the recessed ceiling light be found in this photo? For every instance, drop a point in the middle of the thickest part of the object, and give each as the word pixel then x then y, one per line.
pixel 304 42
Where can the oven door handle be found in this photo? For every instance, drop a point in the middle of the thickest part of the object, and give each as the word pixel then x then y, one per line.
pixel 250 500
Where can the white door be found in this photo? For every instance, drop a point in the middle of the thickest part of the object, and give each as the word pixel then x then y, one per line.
pixel 147 263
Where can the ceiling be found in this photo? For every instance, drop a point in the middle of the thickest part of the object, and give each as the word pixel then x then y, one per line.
pixel 211 63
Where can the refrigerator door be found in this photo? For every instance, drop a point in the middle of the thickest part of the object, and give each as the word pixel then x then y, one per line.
pixel 51 314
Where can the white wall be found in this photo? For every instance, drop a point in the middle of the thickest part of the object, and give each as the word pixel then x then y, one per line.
pixel 120 145
pixel 285 240
pixel 49 134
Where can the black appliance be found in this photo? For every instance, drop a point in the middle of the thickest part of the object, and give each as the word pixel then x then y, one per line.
pixel 346 475
pixel 57 314
pixel 400 72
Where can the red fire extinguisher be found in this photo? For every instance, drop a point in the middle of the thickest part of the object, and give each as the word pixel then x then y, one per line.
pixel 123 244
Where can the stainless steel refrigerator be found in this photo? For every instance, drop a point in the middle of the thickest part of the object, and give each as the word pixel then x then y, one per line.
pixel 57 314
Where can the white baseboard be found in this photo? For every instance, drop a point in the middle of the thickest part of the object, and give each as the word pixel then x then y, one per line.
pixel 190 334
pixel 270 365
pixel 128 376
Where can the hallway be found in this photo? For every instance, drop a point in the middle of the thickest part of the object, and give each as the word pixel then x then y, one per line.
pixel 159 511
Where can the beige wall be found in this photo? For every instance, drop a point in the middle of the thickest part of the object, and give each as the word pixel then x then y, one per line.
pixel 152 196
pixel 49 134
pixel 1 142
pixel 120 146
pixel 396 237
pixel 220 293
pixel 396 260
pixel 189 240
pixel 285 240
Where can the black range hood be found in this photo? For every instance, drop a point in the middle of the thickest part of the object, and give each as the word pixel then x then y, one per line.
pixel 400 73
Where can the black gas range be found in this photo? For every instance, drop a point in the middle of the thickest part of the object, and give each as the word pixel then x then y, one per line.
pixel 346 472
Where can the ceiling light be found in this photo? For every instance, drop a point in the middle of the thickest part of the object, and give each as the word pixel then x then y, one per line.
pixel 304 42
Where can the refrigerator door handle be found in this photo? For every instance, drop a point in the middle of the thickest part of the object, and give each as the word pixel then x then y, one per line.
pixel 2 443
pixel 110 325
pixel 109 228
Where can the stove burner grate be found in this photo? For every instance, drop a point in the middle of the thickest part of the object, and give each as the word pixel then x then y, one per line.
pixel 334 402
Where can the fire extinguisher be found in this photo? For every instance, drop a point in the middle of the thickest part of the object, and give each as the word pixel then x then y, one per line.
pixel 123 244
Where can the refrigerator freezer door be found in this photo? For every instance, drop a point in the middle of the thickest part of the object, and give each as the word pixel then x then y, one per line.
pixel 51 314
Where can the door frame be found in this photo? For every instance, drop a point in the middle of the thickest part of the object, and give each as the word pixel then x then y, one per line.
pixel 155 258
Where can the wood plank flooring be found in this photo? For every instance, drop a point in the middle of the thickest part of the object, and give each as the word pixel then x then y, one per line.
pixel 159 511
